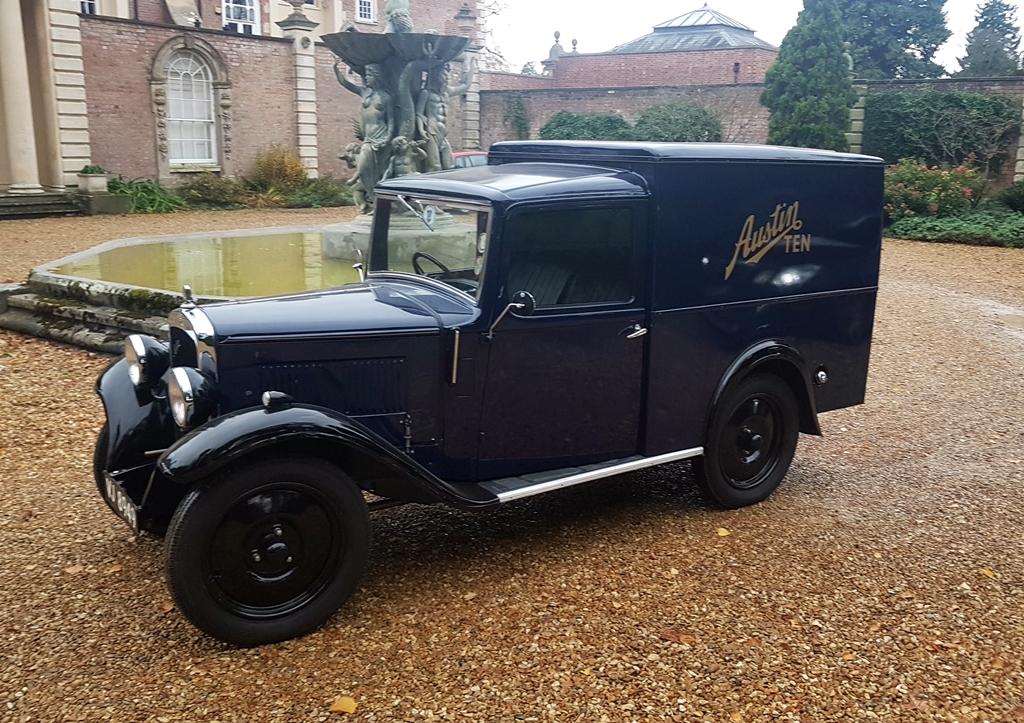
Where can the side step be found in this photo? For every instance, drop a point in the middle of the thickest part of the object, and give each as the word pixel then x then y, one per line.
pixel 516 488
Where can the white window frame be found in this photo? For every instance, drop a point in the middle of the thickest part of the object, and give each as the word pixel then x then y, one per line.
pixel 360 18
pixel 254 8
pixel 90 7
pixel 190 119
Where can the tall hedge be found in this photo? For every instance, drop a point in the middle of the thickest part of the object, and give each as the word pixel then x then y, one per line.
pixel 568 126
pixel 677 123
pixel 941 128
pixel 808 89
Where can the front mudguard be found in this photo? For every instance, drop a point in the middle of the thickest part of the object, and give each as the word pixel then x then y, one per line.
pixel 139 427
pixel 375 464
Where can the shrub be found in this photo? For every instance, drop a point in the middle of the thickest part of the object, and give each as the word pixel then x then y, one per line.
pixel 93 170
pixel 146 196
pixel 277 167
pixel 982 227
pixel 678 123
pixel 209 190
pixel 941 128
pixel 1013 197
pixel 269 198
pixel 913 189
pixel 568 126
pixel 319 193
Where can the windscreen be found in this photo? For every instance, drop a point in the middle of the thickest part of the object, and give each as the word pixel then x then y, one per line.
pixel 440 239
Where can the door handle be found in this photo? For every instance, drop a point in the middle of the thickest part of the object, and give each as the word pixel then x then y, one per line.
pixel 635 332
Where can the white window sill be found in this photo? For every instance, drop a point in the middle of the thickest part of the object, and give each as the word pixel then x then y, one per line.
pixel 195 167
pixel 366 22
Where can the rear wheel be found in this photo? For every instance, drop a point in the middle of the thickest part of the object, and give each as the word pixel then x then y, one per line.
pixel 750 442
pixel 269 551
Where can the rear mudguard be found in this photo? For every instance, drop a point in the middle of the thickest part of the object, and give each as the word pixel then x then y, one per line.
pixel 370 460
pixel 776 357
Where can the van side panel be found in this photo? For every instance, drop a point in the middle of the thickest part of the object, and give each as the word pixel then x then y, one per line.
pixel 746 252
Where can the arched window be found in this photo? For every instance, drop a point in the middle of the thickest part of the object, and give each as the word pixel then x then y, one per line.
pixel 191 117
pixel 242 16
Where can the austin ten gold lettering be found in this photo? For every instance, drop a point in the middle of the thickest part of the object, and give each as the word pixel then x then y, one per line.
pixel 753 245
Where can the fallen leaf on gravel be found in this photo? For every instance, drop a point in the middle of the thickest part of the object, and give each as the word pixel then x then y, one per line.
pixel 964 586
pixel 906 594
pixel 115 568
pixel 875 627
pixel 736 716
pixel 878 555
pixel 167 607
pixel 998 664
pixel 74 569
pixel 987 573
pixel 675 635
pixel 30 567
pixel 849 656
pixel 469 596
pixel 344 704
pixel 722 532
pixel 1017 713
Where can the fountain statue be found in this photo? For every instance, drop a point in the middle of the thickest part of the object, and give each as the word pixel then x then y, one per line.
pixel 403 81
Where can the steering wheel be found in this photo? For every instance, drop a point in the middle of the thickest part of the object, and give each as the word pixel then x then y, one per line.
pixel 421 255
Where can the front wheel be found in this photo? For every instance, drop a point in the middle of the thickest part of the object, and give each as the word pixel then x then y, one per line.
pixel 750 442
pixel 269 551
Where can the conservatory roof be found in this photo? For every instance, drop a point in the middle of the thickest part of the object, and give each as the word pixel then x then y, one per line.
pixel 703 29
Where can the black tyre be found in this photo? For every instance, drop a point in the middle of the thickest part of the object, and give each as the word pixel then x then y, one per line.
pixel 750 442
pixel 268 551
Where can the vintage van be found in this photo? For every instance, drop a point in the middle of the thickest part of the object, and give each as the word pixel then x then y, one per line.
pixel 569 312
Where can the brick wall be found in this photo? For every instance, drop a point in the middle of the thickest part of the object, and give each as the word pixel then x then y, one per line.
pixel 118 55
pixel 698 67
pixel 744 120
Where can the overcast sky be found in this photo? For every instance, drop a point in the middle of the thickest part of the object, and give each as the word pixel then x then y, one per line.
pixel 525 29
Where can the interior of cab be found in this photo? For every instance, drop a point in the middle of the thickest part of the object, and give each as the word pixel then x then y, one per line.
pixel 573 256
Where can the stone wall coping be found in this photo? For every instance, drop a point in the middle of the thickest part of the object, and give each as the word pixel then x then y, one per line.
pixel 181 28
pixel 622 89
pixel 938 81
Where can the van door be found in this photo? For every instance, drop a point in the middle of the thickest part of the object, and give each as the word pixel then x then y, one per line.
pixel 564 386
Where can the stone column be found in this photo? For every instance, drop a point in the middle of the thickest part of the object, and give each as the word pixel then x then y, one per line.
pixel 1018 171
pixel 17 101
pixel 299 29
pixel 856 135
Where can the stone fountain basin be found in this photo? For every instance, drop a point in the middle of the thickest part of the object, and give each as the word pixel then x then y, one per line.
pixel 362 49
pixel 96 297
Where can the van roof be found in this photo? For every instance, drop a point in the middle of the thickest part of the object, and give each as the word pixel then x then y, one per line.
pixel 521 181
pixel 610 151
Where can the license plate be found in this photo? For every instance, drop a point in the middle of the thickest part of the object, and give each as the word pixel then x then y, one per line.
pixel 122 503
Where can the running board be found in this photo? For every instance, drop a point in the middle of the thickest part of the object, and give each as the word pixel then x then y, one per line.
pixel 515 488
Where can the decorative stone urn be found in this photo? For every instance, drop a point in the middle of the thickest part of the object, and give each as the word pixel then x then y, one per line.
pixel 92 182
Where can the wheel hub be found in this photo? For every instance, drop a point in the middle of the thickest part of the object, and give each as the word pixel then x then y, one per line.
pixel 752 429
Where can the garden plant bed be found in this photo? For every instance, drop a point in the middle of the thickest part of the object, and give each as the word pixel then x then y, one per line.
pixel 883 578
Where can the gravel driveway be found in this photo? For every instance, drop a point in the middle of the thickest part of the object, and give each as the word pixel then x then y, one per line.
pixel 883 580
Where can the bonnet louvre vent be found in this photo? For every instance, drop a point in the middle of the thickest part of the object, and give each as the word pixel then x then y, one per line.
pixel 354 387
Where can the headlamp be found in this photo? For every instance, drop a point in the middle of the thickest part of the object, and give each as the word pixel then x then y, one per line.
pixel 147 358
pixel 190 393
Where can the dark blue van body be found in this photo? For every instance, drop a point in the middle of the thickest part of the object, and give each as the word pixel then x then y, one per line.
pixel 708 302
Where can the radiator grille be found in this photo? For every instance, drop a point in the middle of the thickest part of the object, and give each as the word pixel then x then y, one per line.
pixel 355 387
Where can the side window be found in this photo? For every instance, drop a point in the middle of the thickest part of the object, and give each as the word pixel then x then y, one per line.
pixel 570 257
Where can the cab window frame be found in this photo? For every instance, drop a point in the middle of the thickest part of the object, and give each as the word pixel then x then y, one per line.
pixel 639 210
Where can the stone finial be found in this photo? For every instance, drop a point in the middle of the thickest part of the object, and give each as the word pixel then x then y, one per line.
pixel 297 20
pixel 574 50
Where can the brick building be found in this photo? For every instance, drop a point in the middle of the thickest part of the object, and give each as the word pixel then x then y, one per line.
pixel 700 56
pixel 167 88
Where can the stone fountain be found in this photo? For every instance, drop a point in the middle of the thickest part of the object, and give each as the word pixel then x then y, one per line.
pixel 402 78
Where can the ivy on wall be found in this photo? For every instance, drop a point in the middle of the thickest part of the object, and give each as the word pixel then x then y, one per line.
pixel 516 116
pixel 666 123
pixel 941 128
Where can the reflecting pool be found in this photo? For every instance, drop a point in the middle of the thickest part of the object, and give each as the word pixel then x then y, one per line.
pixel 235 264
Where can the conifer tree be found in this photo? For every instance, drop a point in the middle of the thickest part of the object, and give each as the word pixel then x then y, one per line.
pixel 993 47
pixel 895 38
pixel 808 89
